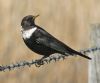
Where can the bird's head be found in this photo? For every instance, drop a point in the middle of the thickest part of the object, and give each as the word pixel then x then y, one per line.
pixel 28 21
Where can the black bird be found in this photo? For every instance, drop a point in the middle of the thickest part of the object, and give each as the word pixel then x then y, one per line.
pixel 41 42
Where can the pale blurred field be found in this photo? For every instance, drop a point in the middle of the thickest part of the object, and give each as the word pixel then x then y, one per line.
pixel 68 20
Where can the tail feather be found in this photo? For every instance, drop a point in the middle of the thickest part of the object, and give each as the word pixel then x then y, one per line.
pixel 82 55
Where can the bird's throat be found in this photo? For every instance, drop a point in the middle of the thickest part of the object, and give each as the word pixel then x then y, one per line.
pixel 26 34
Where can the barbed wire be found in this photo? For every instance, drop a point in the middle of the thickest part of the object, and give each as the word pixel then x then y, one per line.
pixel 89 50
pixel 41 62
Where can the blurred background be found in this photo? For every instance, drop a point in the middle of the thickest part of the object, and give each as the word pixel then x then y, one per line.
pixel 67 20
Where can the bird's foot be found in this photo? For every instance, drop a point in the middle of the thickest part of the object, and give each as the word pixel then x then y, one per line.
pixel 39 63
pixel 47 60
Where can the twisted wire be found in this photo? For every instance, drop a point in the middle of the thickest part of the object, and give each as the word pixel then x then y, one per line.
pixel 41 62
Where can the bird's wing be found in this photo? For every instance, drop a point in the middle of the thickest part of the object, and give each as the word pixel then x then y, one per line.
pixel 48 40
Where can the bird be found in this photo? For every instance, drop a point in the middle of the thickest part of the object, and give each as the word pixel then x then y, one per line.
pixel 43 43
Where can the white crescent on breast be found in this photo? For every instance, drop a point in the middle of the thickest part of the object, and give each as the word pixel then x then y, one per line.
pixel 26 34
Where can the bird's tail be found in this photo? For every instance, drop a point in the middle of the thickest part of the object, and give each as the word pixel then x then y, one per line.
pixel 80 54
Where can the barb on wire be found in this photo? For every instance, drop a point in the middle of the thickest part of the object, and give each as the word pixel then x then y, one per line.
pixel 41 62
pixel 89 50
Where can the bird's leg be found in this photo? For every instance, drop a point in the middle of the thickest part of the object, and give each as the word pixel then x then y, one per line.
pixel 39 62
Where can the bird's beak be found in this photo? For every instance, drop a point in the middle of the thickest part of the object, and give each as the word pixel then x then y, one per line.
pixel 35 16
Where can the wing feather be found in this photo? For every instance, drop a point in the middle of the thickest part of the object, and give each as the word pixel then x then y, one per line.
pixel 48 40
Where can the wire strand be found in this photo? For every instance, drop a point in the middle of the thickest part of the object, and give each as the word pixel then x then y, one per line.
pixel 40 62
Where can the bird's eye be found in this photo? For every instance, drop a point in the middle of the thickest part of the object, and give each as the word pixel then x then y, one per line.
pixel 30 19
